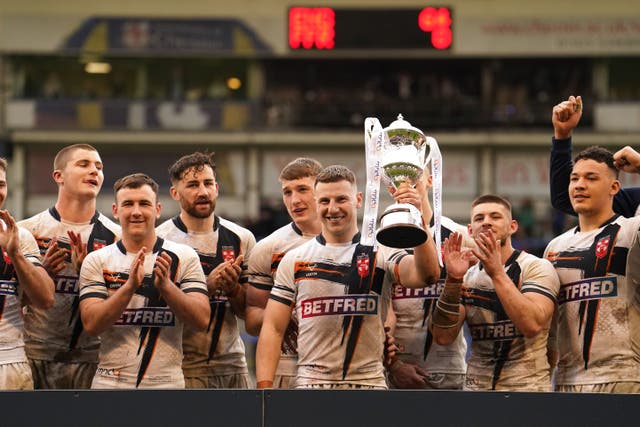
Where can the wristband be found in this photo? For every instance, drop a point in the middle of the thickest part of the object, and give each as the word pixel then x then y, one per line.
pixel 264 384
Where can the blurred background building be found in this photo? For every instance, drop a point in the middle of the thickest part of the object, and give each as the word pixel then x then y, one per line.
pixel 261 82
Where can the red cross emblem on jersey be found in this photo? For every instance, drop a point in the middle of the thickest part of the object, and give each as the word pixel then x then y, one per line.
pixel 228 254
pixel 602 247
pixel 362 262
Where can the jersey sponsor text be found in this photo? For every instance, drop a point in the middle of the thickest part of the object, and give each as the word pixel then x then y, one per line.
pixel 498 331
pixel 149 316
pixel 591 288
pixel 348 304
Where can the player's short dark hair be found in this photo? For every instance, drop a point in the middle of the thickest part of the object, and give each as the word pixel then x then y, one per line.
pixel 196 161
pixel 491 198
pixel 600 155
pixel 336 173
pixel 3 164
pixel 135 180
pixel 62 157
pixel 301 167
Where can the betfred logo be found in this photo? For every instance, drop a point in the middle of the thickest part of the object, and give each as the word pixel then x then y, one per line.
pixel 362 262
pixel 432 291
pixel 602 247
pixel 348 304
pixel 499 331
pixel 149 316
pixel 228 253
pixel 67 285
pixel 592 288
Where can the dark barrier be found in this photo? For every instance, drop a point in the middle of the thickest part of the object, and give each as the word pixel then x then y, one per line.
pixel 282 408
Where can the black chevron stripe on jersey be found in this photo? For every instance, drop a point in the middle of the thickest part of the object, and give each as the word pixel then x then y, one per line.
pixel 226 239
pixel 357 284
pixel 501 349
pixel 614 260
pixel 104 236
pixel 149 336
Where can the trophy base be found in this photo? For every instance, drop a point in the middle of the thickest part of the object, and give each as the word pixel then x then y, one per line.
pixel 401 236
pixel 401 227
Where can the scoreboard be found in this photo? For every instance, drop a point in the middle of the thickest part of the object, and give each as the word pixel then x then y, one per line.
pixel 327 28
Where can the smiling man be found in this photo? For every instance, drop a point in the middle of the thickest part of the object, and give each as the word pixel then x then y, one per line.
pixel 61 354
pixel 297 180
pixel 214 358
pixel 507 300
pixel 340 290
pixel 138 293
pixel 598 263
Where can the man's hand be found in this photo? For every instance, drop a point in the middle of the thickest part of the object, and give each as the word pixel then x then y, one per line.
pixel 456 259
pixel 566 116
pixel 9 238
pixel 78 250
pixel 224 278
pixel 161 271
pixel 627 160
pixel 406 193
pixel 407 375
pixel 54 258
pixel 488 252
pixel 390 348
pixel 136 271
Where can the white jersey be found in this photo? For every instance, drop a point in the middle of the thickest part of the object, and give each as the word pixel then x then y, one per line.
pixel 11 326
pixel 341 294
pixel 56 334
pixel 264 261
pixel 412 307
pixel 144 346
pixel 220 348
pixel 501 357
pixel 599 303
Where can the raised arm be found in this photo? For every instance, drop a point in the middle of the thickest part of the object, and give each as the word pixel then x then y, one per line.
pixel 448 317
pixel 421 268
pixel 565 116
pixel 22 249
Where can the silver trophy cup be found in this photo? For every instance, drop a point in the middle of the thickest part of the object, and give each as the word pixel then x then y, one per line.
pixel 404 157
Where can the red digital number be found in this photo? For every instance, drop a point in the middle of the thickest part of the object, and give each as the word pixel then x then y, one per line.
pixel 438 23
pixel 312 27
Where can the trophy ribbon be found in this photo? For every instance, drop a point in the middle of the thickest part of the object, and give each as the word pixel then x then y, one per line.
pixel 435 157
pixel 373 141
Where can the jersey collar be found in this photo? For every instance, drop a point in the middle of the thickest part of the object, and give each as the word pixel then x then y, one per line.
pixel 180 225
pixel 320 238
pixel 156 246
pixel 55 214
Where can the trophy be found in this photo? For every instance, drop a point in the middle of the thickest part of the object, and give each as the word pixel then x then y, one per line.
pixel 404 157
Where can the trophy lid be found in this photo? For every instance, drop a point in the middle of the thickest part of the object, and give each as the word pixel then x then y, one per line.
pixel 401 127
